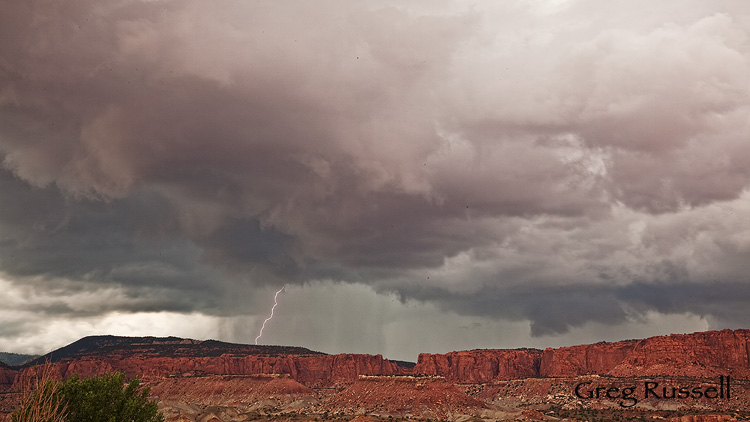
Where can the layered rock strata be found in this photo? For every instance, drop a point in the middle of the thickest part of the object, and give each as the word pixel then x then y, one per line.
pixel 480 366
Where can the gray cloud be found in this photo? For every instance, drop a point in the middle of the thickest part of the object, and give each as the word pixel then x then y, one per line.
pixel 551 164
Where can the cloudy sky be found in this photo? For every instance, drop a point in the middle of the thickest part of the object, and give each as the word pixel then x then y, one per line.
pixel 420 175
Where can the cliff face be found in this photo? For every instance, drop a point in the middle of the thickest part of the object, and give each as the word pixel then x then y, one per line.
pixel 702 354
pixel 312 371
pixel 597 358
pixel 7 375
pixel 708 353
pixel 480 366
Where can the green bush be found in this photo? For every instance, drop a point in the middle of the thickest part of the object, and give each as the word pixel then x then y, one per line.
pixel 108 399
pixel 95 399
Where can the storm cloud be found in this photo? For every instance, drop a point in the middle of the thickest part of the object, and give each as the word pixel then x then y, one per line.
pixel 558 163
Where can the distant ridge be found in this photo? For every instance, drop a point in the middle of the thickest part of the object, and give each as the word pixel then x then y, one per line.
pixel 162 346
pixel 14 359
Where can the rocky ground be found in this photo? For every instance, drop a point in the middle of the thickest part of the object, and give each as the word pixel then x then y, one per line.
pixel 218 398
pixel 223 399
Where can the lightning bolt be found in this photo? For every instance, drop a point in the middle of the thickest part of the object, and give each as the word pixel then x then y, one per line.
pixel 275 302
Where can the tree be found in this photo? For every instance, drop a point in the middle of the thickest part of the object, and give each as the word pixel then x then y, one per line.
pixel 95 399
pixel 108 399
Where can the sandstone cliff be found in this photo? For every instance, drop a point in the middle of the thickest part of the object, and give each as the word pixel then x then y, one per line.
pixel 703 354
pixel 480 366
pixel 598 358
pixel 312 371
pixel 7 375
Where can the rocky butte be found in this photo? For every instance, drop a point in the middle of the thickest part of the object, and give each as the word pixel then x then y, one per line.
pixel 244 381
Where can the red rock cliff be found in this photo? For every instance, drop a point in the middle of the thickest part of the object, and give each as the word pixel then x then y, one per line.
pixel 708 353
pixel 7 375
pixel 312 371
pixel 702 354
pixel 598 358
pixel 479 366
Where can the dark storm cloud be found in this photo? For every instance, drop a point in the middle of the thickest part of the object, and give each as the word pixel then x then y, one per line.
pixel 522 161
pixel 543 306
pixel 80 244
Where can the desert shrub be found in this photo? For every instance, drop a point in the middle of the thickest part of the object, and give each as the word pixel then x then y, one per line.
pixel 96 399
pixel 41 401
pixel 108 399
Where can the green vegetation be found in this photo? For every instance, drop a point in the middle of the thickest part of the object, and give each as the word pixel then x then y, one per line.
pixel 103 399
pixel 96 399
